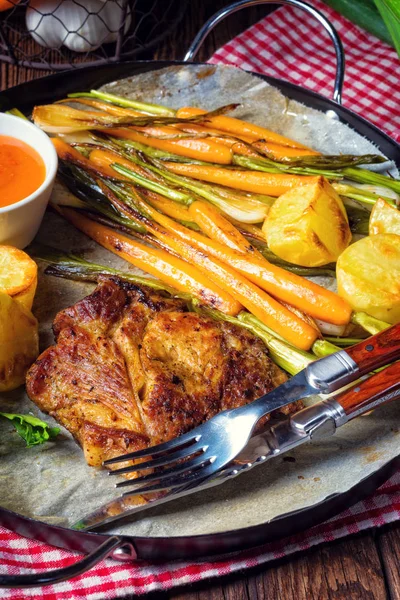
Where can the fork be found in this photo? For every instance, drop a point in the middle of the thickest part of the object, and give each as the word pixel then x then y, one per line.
pixel 207 449
pixel 315 422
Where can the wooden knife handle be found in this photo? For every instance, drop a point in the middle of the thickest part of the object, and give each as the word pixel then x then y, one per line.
pixel 381 388
pixel 376 351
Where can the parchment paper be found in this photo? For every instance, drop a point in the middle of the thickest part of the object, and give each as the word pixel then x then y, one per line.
pixel 53 483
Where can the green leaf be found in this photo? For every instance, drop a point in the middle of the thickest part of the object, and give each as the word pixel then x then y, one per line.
pixel 31 429
pixel 390 13
pixel 364 14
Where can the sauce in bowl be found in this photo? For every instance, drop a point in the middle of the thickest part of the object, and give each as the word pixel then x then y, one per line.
pixel 22 170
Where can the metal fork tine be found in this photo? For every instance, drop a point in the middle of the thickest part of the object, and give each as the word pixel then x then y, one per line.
pixel 184 441
pixel 176 481
pixel 153 477
pixel 159 462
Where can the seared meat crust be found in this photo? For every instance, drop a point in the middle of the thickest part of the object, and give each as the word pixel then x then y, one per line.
pixel 131 368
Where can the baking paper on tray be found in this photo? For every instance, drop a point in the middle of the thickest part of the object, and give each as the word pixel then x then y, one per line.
pixel 53 483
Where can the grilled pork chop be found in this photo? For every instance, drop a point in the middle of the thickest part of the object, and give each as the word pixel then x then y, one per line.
pixel 132 368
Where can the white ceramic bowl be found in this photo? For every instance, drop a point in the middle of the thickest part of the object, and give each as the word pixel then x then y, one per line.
pixel 19 222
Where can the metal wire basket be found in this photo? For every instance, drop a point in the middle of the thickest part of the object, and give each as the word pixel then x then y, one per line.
pixel 46 34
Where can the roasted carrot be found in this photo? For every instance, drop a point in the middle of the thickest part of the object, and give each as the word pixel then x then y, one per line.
pixel 179 212
pixel 258 302
pixel 302 315
pixel 221 135
pixel 162 132
pixel 236 146
pixel 196 148
pixel 237 127
pixel 283 321
pixel 288 287
pixel 68 153
pixel 105 158
pixel 279 151
pixel 169 207
pixel 171 270
pixel 252 231
pixel 218 228
pixel 253 149
pixel 272 184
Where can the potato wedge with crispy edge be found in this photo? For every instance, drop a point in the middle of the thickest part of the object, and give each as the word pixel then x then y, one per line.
pixel 384 218
pixel 19 344
pixel 368 276
pixel 18 275
pixel 308 225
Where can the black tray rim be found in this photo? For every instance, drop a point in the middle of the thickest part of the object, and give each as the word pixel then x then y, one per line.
pixel 52 87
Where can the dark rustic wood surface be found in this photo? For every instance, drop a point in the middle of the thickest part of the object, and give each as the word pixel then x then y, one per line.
pixel 361 567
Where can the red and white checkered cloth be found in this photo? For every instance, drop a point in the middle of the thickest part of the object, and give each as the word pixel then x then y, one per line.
pixel 288 46
pixel 293 46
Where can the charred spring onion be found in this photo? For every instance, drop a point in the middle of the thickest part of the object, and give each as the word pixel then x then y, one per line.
pixel 146 156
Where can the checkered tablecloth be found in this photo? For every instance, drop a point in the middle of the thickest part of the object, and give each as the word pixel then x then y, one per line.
pixel 293 46
pixel 287 46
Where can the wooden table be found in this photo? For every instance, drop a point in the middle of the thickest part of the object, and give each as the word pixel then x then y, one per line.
pixel 366 566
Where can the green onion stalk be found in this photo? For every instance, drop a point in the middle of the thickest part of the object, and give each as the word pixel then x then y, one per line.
pixel 152 114
pixel 319 348
pixel 342 342
pixel 323 348
pixel 246 208
pixel 154 186
pixel 354 174
pixel 322 161
pixel 145 107
pixel 358 217
pixel 361 195
pixel 16 113
pixel 81 179
pixel 285 355
pixel 372 178
pixel 369 323
pixel 214 194
pixel 149 159
pixel 332 344
pixel 327 271
pixel 129 145
pixel 71 266
pixel 84 186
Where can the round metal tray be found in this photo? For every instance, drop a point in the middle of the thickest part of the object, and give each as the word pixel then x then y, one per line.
pixel 123 548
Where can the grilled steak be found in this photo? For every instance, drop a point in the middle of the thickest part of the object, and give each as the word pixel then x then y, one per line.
pixel 132 368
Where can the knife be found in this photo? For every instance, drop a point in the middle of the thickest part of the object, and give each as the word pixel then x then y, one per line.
pixel 309 424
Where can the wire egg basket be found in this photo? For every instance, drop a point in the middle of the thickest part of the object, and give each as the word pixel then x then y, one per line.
pixel 55 35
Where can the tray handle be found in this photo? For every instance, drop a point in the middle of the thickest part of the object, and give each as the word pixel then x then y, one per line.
pixel 236 6
pixel 110 546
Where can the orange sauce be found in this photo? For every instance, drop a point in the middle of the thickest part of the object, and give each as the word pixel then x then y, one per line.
pixel 22 170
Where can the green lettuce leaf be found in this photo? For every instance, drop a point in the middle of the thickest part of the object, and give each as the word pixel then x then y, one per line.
pixel 31 429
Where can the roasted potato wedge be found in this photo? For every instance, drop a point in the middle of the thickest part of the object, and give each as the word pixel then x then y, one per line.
pixel 308 225
pixel 19 345
pixel 18 275
pixel 368 276
pixel 384 218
